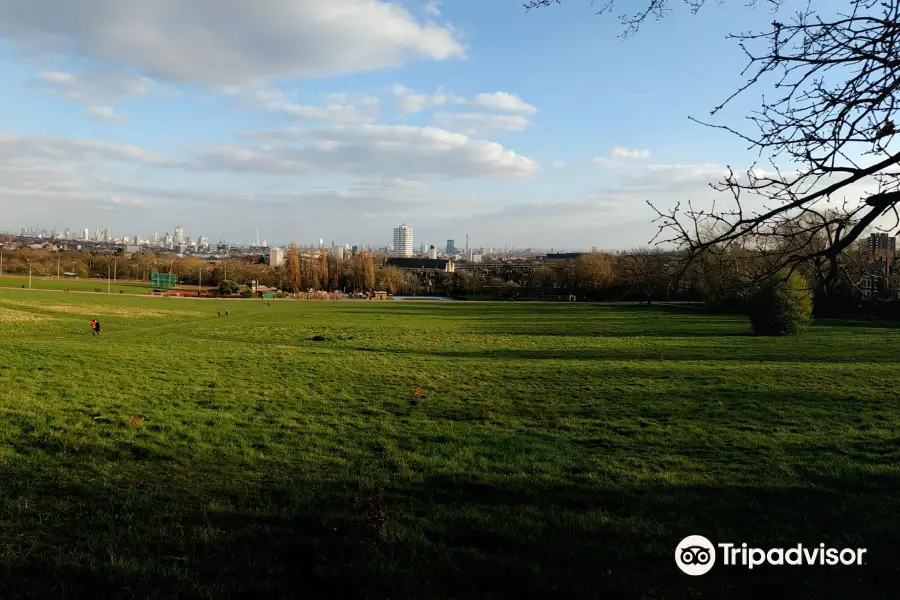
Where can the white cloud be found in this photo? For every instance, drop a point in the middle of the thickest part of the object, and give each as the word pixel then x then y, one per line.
pixel 479 124
pixel 626 153
pixel 232 42
pixel 95 86
pixel 30 150
pixel 341 108
pixel 387 150
pixel 618 156
pixel 433 8
pixel 105 113
pixel 503 101
pixel 409 101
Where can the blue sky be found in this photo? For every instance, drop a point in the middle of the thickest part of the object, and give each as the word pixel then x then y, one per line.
pixel 341 120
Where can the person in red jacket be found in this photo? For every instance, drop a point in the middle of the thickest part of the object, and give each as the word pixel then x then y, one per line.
pixel 93 327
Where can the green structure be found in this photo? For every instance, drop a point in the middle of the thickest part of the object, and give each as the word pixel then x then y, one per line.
pixel 162 281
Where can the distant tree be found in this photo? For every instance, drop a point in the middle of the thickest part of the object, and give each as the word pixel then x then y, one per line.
pixel 390 279
pixel 370 272
pixel 593 270
pixel 228 288
pixel 781 306
pixel 323 270
pixel 292 269
pixel 356 271
pixel 335 272
pixel 544 276
pixel 643 272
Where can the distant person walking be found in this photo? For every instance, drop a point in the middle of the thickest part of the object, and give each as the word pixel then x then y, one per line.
pixel 219 313
pixel 96 327
pixel 93 327
pixel 226 313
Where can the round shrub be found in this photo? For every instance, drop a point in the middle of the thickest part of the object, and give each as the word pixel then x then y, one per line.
pixel 781 306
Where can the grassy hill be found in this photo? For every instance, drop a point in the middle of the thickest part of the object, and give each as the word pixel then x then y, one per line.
pixel 434 450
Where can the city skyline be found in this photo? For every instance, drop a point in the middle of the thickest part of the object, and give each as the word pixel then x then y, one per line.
pixel 158 237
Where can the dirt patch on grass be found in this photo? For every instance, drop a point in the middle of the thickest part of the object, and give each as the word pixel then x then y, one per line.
pixel 10 315
pixel 99 310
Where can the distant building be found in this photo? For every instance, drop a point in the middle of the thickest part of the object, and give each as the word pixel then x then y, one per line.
pixel 179 234
pixel 354 250
pixel 276 257
pixel 451 246
pixel 107 235
pixel 403 242
pixel 421 264
pixel 432 252
pixel 337 252
pixel 882 244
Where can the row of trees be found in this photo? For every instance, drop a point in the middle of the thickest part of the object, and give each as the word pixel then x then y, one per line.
pixel 304 269
pixel 721 277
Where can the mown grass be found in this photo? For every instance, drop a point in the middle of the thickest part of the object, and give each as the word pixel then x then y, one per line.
pixel 552 450
pixel 76 285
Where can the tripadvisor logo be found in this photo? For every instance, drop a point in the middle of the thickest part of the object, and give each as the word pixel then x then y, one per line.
pixel 696 555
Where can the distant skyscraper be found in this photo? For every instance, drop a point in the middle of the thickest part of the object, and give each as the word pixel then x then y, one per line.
pixel 87 234
pixel 403 241
pixel 432 252
pixel 276 257
pixel 451 246
pixel 179 234
pixel 107 235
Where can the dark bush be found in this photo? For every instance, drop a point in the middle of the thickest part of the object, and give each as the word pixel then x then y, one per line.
pixel 227 288
pixel 781 306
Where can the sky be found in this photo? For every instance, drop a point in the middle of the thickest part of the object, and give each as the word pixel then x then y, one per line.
pixel 339 120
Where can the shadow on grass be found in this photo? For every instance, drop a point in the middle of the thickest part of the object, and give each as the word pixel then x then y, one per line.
pixel 440 537
pixel 691 353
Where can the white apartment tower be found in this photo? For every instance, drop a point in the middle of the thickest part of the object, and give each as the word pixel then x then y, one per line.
pixel 276 257
pixel 403 241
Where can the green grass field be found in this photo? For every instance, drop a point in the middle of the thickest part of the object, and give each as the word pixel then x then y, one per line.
pixel 553 450
pixel 82 285
pixel 76 285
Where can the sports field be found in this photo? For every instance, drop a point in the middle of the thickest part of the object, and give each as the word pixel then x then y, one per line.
pixel 551 450
pixel 76 285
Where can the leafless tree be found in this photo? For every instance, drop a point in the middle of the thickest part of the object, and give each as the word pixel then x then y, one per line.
pixel 370 273
pixel 643 271
pixel 829 127
pixel 292 268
